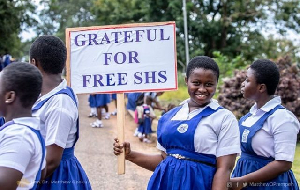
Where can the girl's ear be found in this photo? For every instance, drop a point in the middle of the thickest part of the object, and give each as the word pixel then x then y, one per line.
pixel 262 88
pixel 186 80
pixel 10 97
pixel 33 62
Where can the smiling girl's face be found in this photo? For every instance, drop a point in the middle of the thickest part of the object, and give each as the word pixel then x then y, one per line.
pixel 202 85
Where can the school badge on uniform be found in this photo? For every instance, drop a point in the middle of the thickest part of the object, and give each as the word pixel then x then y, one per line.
pixel 182 128
pixel 245 135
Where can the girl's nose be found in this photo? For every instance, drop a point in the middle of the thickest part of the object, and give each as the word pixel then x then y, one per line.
pixel 202 88
pixel 243 84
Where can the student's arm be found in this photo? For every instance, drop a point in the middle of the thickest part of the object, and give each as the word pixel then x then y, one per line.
pixel 140 112
pixel 9 178
pixel 285 130
pixel 146 161
pixel 225 165
pixel 59 121
pixel 270 171
pixel 53 157
pixel 152 113
pixel 157 105
pixel 228 148
pixel 43 175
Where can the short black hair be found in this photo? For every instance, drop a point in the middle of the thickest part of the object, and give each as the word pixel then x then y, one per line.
pixel 25 79
pixel 266 72
pixel 204 62
pixel 50 52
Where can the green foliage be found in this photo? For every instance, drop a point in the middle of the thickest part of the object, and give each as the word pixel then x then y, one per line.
pixel 227 65
pixel 59 15
pixel 108 12
pixel 274 48
pixel 234 28
pixel 14 15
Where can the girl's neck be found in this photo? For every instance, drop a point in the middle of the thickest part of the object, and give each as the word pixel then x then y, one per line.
pixel 50 81
pixel 22 112
pixel 263 100
pixel 193 105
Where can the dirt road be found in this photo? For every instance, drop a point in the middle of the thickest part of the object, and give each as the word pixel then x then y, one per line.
pixel 94 151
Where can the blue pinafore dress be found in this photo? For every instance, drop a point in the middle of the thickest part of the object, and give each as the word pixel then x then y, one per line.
pixel 98 100
pixel 131 100
pixel 177 137
pixel 2 121
pixel 37 132
pixel 145 127
pixel 250 162
pixel 69 174
pixel 114 96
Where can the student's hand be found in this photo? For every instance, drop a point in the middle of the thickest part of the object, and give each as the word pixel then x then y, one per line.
pixel 118 148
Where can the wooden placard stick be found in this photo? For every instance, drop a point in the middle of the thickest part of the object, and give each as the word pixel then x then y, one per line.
pixel 120 126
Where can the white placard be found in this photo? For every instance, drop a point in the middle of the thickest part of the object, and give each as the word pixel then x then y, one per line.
pixel 122 58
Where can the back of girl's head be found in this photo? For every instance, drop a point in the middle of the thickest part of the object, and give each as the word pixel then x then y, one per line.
pixel 266 72
pixel 140 100
pixel 203 62
pixel 25 79
pixel 50 52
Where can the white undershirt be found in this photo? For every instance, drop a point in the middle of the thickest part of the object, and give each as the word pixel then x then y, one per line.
pixel 278 136
pixel 21 149
pixel 217 134
pixel 58 118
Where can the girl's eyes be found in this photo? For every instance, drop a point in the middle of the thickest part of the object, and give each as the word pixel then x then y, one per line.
pixel 206 85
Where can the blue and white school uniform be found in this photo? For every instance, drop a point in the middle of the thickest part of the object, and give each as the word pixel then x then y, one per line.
pixel 60 126
pixel 92 101
pixel 98 100
pixel 201 136
pixel 2 121
pixel 131 98
pixel 22 148
pixel 268 134
pixel 145 127
pixel 114 96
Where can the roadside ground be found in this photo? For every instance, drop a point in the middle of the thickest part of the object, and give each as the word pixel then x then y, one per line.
pixel 95 153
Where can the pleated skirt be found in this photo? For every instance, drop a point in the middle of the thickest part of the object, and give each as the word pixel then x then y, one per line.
pixel 98 100
pixel 145 127
pixel 250 163
pixel 69 175
pixel 176 174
